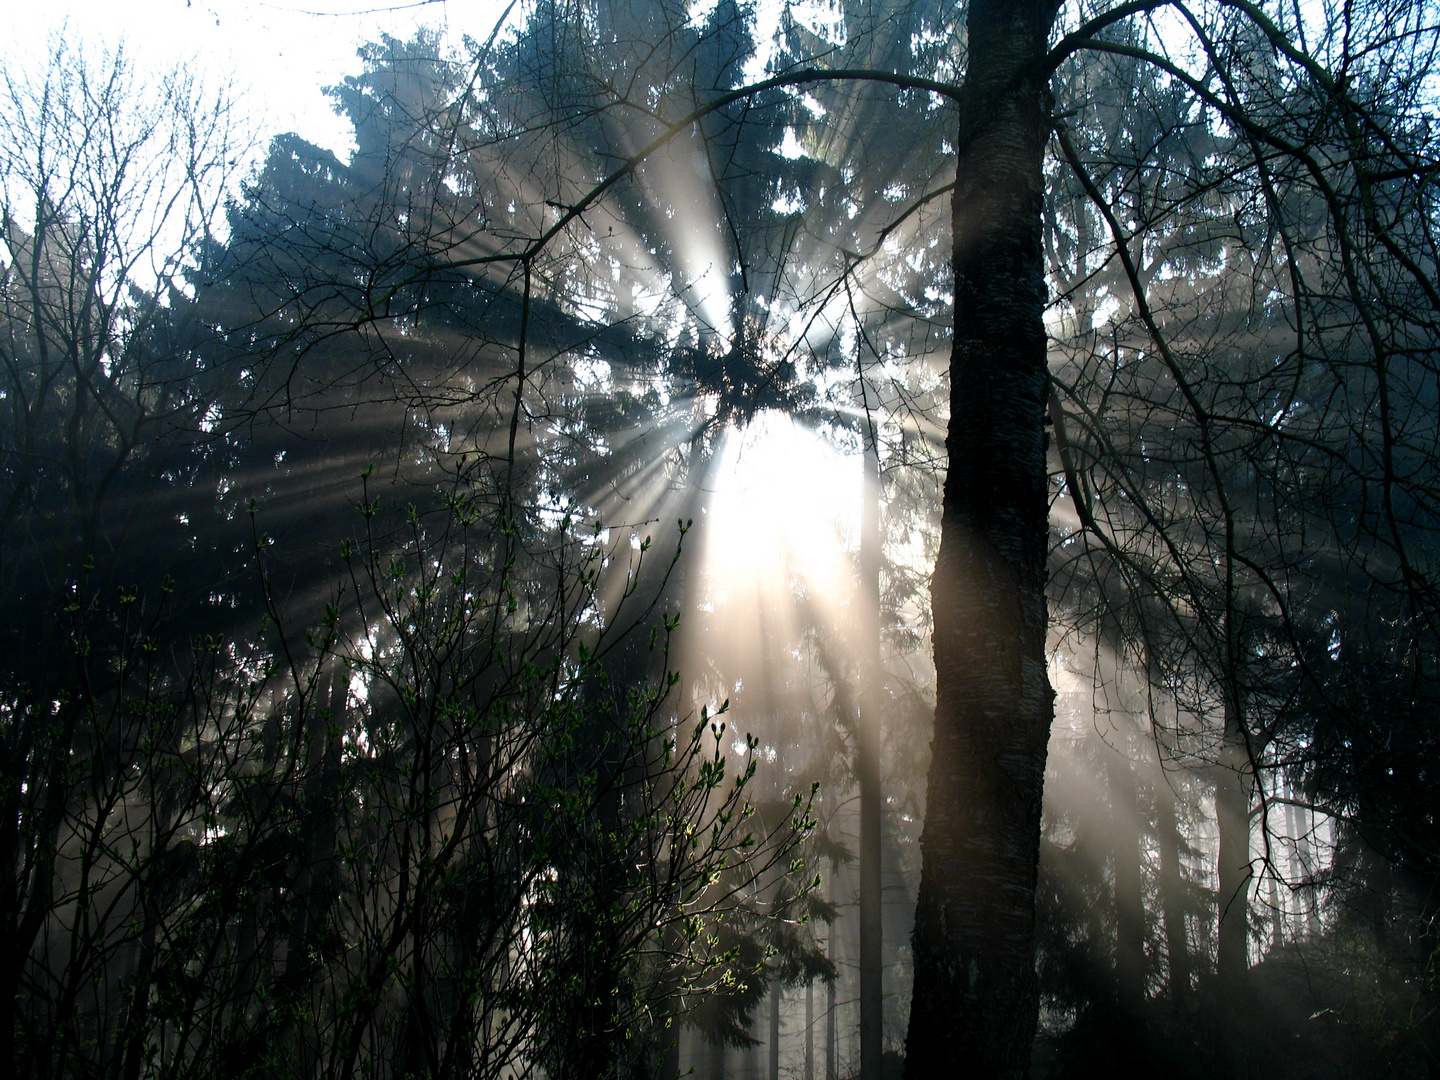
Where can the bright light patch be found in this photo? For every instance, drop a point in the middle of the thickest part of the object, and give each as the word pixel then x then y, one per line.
pixel 777 567
pixel 679 179
pixel 784 504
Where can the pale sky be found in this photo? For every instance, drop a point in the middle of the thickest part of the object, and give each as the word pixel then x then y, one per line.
pixel 280 52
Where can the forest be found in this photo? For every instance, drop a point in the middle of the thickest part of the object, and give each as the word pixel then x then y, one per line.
pixel 825 539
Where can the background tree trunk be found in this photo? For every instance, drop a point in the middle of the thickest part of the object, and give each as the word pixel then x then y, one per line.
pixel 810 1030
pixel 831 1038
pixel 1232 814
pixel 872 993
pixel 1233 783
pixel 1126 856
pixel 777 992
pixel 1172 890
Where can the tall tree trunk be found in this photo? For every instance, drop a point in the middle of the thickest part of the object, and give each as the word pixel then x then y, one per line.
pixel 1302 864
pixel 1172 891
pixel 777 992
pixel 1232 812
pixel 1125 857
pixel 872 1024
pixel 810 1029
pixel 1233 785
pixel 308 905
pixel 975 1001
pixel 831 1049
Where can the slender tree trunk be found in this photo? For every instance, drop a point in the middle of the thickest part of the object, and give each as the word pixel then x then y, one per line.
pixel 1172 891
pixel 830 1035
pixel 872 1025
pixel 1232 962
pixel 1232 812
pixel 310 895
pixel 810 1030
pixel 777 993
pixel 1301 865
pixel 1129 887
pixel 975 1000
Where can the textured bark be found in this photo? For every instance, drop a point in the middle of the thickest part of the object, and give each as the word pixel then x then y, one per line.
pixel 975 999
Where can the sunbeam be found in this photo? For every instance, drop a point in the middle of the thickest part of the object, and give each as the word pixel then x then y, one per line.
pixel 776 583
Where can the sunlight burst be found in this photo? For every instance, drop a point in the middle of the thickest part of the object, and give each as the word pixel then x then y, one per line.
pixel 777 570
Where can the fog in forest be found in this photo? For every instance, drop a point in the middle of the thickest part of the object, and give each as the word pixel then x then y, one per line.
pixel 834 540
